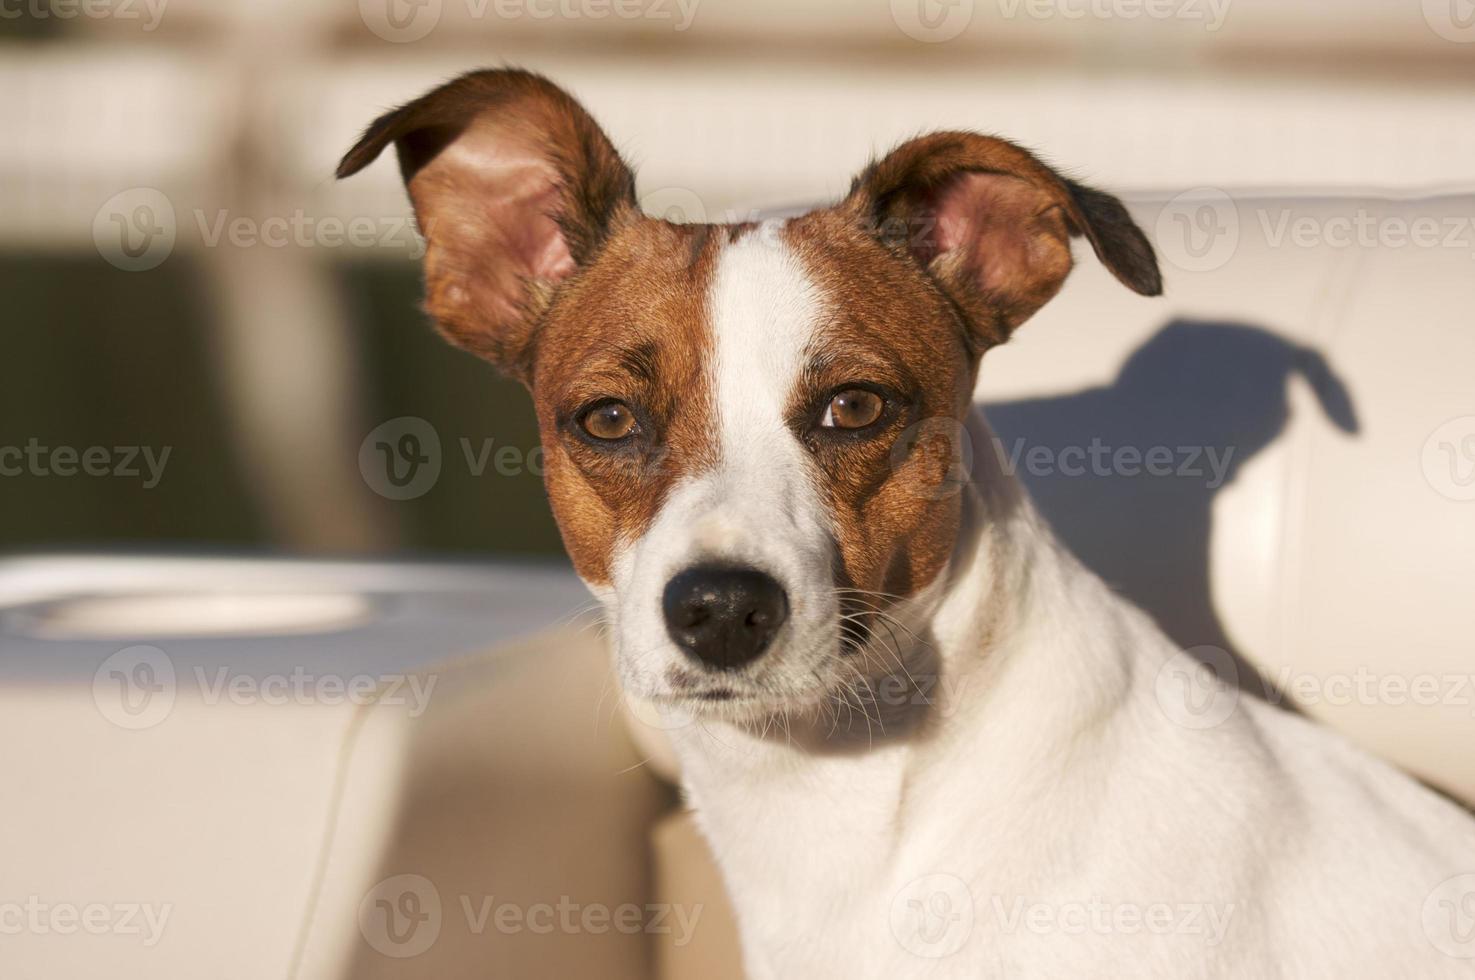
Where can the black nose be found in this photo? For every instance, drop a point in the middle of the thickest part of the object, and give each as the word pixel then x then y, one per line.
pixel 724 616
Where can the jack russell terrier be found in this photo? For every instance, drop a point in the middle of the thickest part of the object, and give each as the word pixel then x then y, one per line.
pixel 926 740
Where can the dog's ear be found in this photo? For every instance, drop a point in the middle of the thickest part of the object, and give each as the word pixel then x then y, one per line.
pixel 992 225
pixel 514 188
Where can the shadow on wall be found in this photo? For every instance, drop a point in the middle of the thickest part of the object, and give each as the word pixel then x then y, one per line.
pixel 1127 473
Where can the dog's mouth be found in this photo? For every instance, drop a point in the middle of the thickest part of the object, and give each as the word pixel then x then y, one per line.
pixel 715 694
pixel 794 682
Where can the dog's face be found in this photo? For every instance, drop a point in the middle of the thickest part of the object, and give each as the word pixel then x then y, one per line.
pixel 750 430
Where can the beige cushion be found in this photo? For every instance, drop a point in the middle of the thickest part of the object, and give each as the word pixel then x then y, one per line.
pixel 521 816
pixel 687 878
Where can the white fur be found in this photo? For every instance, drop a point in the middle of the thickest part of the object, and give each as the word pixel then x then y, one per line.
pixel 1050 816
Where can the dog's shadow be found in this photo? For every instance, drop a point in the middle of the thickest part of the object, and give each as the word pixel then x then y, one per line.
pixel 1199 398
pixel 1126 474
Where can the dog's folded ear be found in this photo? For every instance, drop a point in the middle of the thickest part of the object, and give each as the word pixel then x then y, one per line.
pixel 992 225
pixel 514 188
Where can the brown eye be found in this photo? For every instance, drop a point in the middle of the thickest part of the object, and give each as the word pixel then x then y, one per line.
pixel 609 421
pixel 853 408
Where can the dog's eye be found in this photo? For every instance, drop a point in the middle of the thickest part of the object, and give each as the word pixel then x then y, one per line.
pixel 853 408
pixel 609 421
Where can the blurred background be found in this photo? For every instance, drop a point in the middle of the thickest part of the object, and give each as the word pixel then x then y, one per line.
pixel 209 344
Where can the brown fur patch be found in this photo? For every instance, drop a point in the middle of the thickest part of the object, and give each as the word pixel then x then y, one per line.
pixel 894 498
pixel 991 223
pixel 632 326
pixel 514 186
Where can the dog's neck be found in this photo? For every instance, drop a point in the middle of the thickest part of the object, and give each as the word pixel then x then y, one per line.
pixel 991 687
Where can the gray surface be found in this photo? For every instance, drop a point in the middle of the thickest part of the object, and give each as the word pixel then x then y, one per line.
pixel 422 613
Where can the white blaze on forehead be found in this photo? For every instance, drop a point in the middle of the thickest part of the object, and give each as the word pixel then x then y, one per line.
pixel 760 505
pixel 764 310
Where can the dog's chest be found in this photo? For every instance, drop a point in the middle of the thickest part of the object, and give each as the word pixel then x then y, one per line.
pixel 806 849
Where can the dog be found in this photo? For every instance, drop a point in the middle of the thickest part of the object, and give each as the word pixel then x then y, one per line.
pixel 924 740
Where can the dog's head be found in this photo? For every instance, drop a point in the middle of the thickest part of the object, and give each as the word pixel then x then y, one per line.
pixel 730 412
